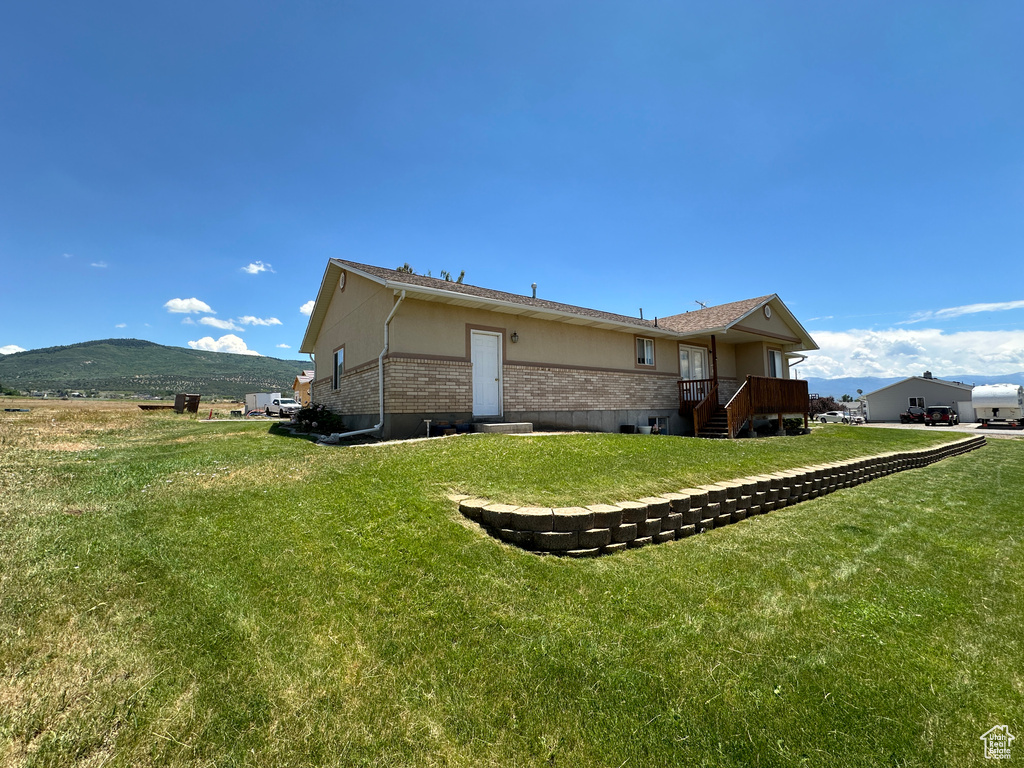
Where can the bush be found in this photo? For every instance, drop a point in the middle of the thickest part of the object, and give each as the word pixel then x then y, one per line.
pixel 319 419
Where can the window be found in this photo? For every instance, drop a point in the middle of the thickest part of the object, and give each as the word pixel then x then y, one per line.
pixel 916 402
pixel 339 366
pixel 775 367
pixel 693 363
pixel 644 351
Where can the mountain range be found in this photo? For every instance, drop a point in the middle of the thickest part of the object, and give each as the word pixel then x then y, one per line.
pixel 134 367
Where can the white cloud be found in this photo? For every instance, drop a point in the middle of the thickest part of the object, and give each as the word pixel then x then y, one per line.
pixel 224 325
pixel 284 346
pixel 910 352
pixel 250 320
pixel 10 349
pixel 188 306
pixel 121 325
pixel 307 308
pixel 967 309
pixel 99 264
pixel 229 343
pixel 256 267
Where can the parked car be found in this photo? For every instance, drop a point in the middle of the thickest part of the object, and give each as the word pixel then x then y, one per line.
pixel 941 414
pixel 837 417
pixel 913 415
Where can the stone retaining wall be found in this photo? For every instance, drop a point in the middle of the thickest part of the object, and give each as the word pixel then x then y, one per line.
pixel 602 529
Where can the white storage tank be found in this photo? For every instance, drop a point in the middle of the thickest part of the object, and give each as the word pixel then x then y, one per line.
pixel 999 404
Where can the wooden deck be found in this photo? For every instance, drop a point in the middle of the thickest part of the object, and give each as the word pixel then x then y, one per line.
pixel 758 396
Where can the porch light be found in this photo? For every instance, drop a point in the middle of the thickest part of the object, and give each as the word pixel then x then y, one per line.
pixel 514 337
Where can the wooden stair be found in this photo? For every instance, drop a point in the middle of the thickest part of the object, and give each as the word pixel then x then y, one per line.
pixel 717 427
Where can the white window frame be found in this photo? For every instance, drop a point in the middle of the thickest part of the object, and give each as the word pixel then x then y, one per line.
pixel 643 360
pixel 692 355
pixel 777 361
pixel 916 402
pixel 339 366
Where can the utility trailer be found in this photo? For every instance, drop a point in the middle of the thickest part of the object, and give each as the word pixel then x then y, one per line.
pixel 999 405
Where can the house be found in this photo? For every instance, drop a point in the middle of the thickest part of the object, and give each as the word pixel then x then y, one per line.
pixel 303 387
pixel 392 349
pixel 887 403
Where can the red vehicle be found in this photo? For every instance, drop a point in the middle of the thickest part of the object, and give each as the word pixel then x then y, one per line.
pixel 913 415
pixel 941 414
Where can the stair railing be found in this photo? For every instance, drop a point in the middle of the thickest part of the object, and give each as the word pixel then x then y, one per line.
pixel 739 409
pixel 705 409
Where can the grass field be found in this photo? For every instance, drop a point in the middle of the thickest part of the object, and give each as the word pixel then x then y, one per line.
pixel 189 594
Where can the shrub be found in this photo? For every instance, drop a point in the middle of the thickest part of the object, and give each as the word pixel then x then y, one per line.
pixel 319 419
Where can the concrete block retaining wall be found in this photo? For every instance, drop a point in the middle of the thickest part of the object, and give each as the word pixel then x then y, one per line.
pixel 601 529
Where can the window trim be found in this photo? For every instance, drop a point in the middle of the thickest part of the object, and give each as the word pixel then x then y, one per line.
pixel 781 359
pixel 636 355
pixel 912 404
pixel 336 377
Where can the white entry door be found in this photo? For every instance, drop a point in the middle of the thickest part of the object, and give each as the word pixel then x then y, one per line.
pixel 485 351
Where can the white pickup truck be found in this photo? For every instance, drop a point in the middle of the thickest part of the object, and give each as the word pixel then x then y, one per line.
pixel 272 404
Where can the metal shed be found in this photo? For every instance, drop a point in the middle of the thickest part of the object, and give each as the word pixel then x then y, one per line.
pixel 887 403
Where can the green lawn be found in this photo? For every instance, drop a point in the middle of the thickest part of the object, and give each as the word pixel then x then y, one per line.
pixel 177 593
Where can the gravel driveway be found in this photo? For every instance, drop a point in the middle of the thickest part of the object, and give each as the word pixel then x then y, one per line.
pixel 971 428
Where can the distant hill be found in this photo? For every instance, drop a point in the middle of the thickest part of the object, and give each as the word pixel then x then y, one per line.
pixel 131 366
pixel 848 386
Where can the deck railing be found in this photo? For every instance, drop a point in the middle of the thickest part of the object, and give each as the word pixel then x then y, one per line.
pixel 692 392
pixel 763 394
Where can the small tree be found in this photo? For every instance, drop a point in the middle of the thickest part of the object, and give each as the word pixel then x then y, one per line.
pixel 846 399
pixel 445 274
pixel 448 276
pixel 822 404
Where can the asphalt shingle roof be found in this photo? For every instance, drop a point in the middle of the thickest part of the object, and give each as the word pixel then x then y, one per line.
pixel 394 275
pixel 711 318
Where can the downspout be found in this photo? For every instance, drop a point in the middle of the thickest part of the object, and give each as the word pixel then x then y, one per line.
pixel 791 355
pixel 792 365
pixel 333 438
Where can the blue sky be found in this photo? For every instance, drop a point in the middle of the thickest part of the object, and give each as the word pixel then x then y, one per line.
pixel 182 172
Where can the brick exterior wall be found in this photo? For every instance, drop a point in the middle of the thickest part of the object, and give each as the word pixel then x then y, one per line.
pixel 358 392
pixel 533 388
pixel 727 388
pixel 423 385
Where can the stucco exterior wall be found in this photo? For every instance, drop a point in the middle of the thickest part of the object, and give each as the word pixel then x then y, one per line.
pixel 774 327
pixel 752 359
pixel 432 328
pixel 887 404
pixel 355 320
